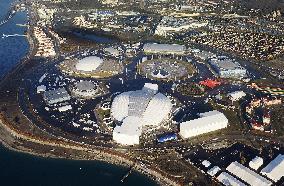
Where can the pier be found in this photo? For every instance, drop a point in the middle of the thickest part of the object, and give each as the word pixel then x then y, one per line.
pixel 13 35
pixel 10 14
pixel 127 174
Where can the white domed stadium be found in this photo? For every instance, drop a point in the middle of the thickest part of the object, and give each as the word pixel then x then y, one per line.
pixel 89 63
pixel 146 107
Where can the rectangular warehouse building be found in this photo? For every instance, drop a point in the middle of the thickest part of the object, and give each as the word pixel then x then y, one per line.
pixel 56 96
pixel 275 169
pixel 227 68
pixel 208 122
pixel 229 180
pixel 155 48
pixel 247 175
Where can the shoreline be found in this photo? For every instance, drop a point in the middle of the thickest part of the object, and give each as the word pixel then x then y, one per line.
pixel 101 156
pixel 96 154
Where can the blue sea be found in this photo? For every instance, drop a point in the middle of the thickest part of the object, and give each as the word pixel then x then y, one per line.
pixel 19 169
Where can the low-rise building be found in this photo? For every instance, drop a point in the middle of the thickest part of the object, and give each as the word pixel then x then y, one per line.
pixel 237 95
pixel 155 48
pixel 275 169
pixel 256 162
pixel 56 96
pixel 229 180
pixel 227 68
pixel 208 122
pixel 247 175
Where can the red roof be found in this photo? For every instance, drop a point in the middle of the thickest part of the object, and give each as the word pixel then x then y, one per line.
pixel 210 83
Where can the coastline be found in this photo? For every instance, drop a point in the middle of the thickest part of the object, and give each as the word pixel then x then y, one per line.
pixel 14 140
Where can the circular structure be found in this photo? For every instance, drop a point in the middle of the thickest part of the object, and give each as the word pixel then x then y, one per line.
pixel 85 89
pixel 89 64
pixel 92 66
pixel 147 104
pixel 166 69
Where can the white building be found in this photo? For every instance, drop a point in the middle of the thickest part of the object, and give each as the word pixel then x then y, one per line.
pixel 213 171
pixel 65 108
pixel 256 162
pixel 206 163
pixel 41 88
pixel 154 48
pixel 129 132
pixel 275 169
pixel 237 95
pixel 247 175
pixel 172 24
pixel 89 64
pixel 147 107
pixel 208 122
pixel 229 180
pixel 227 68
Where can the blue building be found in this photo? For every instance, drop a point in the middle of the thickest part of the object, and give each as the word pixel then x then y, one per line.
pixel 167 137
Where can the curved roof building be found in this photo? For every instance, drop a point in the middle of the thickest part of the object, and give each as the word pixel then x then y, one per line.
pixel 85 89
pixel 89 63
pixel 147 107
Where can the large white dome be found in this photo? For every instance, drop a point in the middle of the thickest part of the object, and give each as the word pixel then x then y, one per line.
pixel 89 64
pixel 151 107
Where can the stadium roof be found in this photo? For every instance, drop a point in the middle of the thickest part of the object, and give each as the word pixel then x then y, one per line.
pixel 151 107
pixel 89 64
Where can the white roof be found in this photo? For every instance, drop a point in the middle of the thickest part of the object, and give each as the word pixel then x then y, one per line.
pixel 236 95
pixel 85 85
pixel 89 63
pixel 55 96
pixel 247 175
pixel 206 163
pixel 151 87
pixel 129 132
pixel 209 121
pixel 112 51
pixel 256 162
pixel 214 170
pixel 209 113
pixel 119 107
pixel 64 108
pixel 41 88
pixel 157 110
pixel 229 180
pixel 150 106
pixel 137 108
pixel 275 169
pixel 155 48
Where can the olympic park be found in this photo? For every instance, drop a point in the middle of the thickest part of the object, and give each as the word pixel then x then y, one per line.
pixel 113 102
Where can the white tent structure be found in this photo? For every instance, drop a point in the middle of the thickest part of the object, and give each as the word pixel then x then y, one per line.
pixel 208 122
pixel 146 106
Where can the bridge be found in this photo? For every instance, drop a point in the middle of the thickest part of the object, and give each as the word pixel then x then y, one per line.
pixel 13 35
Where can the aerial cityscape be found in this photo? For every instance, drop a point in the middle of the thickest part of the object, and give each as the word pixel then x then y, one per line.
pixel 180 92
